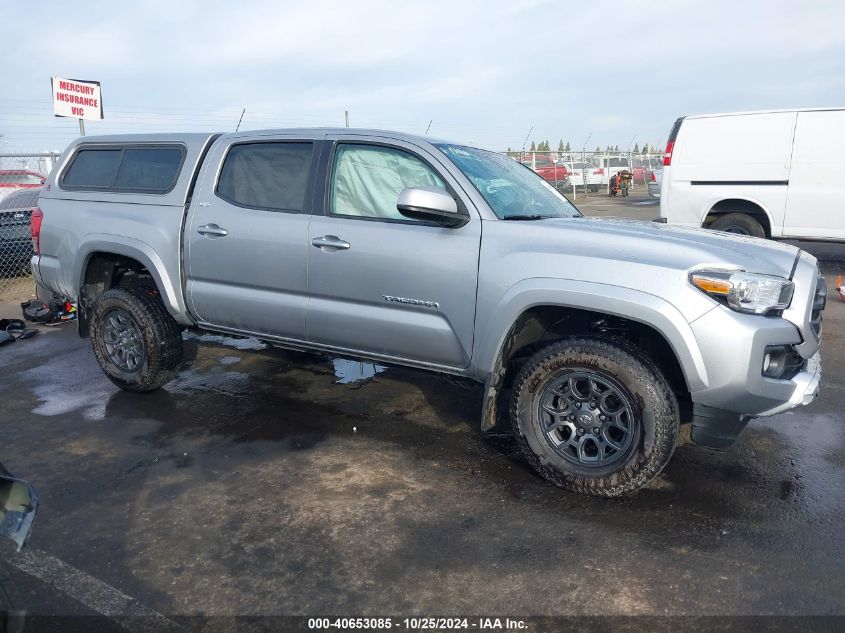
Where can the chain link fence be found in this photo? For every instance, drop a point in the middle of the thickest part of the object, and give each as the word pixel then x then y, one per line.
pixel 589 173
pixel 21 177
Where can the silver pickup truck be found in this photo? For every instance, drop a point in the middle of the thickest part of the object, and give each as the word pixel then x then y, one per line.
pixel 594 339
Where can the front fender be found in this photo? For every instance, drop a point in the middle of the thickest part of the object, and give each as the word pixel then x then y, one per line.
pixel 170 288
pixel 635 305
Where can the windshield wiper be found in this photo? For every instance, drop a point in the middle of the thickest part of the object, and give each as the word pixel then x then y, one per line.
pixel 536 216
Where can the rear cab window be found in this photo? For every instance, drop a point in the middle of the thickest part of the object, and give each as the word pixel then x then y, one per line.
pixel 126 168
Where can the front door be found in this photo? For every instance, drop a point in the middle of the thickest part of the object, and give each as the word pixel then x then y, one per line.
pixel 382 284
pixel 247 235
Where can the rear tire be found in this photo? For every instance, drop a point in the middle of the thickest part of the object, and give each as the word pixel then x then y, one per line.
pixel 633 416
pixel 135 340
pixel 738 223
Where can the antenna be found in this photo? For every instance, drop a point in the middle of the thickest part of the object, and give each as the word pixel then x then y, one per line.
pixel 526 138
pixel 429 127
pixel 238 126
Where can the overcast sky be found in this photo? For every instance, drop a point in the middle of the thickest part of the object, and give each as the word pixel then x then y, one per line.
pixel 481 71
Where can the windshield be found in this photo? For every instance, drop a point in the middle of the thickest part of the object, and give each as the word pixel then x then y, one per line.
pixel 511 189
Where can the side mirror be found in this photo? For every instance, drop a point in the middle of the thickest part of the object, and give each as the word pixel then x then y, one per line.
pixel 430 204
pixel 18 505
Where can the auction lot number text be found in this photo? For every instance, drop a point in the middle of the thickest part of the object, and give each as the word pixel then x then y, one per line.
pixel 417 624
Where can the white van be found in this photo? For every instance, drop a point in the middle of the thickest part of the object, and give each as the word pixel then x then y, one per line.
pixel 778 173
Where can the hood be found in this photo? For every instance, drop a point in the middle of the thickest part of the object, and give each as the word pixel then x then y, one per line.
pixel 673 247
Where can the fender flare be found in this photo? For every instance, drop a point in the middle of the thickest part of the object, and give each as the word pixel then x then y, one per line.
pixel 631 304
pixel 141 252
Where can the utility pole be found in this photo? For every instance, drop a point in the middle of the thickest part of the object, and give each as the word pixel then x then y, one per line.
pixel 81 127
pixel 346 116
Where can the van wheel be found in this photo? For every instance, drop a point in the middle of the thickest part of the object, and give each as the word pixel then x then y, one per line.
pixel 739 223
pixel 136 342
pixel 594 416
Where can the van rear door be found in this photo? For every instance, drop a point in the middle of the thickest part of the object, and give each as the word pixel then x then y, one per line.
pixel 816 193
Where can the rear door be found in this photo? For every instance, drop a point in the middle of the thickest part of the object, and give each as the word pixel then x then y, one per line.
pixel 815 204
pixel 379 283
pixel 247 234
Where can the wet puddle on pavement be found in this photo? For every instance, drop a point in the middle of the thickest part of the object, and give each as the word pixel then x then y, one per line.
pixel 346 371
pixel 349 371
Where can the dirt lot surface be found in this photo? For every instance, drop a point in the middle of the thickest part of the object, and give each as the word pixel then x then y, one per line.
pixel 259 482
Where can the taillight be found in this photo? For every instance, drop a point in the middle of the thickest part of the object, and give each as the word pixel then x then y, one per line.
pixel 667 155
pixel 653 177
pixel 35 229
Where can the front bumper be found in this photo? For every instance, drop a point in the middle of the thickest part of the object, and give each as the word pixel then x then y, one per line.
pixel 733 347
pixel 719 428
pixel 806 387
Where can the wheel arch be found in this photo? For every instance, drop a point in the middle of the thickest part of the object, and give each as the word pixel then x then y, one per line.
pixel 545 310
pixel 740 204
pixel 103 263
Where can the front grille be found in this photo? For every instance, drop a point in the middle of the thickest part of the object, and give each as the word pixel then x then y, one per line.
pixel 819 301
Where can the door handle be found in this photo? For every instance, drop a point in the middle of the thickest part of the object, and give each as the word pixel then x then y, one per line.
pixel 331 243
pixel 212 230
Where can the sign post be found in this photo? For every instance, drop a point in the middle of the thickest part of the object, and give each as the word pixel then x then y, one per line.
pixel 77 98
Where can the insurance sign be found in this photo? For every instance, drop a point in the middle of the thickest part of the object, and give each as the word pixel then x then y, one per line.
pixel 77 98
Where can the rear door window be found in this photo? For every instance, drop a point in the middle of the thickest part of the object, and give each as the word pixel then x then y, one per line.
pixel 267 175
pixel 125 169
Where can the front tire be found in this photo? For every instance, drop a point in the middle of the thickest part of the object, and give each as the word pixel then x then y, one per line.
pixel 135 340
pixel 594 416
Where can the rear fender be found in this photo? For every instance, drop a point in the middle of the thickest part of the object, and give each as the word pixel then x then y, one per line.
pixel 169 288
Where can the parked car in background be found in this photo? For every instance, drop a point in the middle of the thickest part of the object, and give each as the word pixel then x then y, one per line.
pixel 553 173
pixel 591 336
pixel 644 166
pixel 784 176
pixel 612 165
pixel 15 240
pixel 584 176
pixel 654 183
pixel 14 179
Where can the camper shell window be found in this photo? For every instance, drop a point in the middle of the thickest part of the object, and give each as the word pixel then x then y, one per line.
pixel 123 169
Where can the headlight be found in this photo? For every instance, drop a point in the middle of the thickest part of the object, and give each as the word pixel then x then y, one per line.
pixel 745 292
